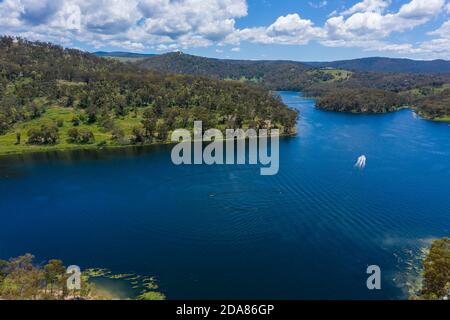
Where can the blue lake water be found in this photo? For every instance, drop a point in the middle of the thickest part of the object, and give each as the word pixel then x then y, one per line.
pixel 225 231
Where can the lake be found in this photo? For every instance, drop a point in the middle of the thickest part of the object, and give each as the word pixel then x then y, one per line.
pixel 227 232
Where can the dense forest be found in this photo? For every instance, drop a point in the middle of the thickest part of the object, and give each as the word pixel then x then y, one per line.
pixel 85 97
pixel 336 89
pixel 382 92
pixel 387 65
pixel 279 74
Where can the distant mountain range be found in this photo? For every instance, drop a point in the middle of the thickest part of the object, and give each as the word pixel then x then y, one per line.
pixel 120 54
pixel 388 65
pixel 178 62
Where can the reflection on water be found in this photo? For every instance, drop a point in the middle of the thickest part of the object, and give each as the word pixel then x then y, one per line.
pixel 71 156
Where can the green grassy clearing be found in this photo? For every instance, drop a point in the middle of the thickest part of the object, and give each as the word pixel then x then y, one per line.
pixel 336 74
pixel 426 91
pixel 53 115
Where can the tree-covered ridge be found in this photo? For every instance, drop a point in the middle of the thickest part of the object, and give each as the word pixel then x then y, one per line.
pixel 336 89
pixel 387 65
pixel 130 104
pixel 277 75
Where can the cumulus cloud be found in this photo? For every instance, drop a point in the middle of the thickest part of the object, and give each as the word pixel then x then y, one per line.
pixel 368 22
pixel 128 23
pixel 366 25
pixel 289 29
pixel 368 6
pixel 420 9
pixel 443 31
pixel 165 25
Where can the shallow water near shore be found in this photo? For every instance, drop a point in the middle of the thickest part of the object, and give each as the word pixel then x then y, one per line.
pixel 227 232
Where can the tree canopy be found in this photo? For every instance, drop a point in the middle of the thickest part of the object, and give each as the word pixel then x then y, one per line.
pixel 36 75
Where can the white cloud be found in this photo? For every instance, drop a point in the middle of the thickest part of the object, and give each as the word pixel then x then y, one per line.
pixel 236 49
pixel 179 24
pixel 409 16
pixel 289 29
pixel 421 9
pixel 443 31
pixel 318 5
pixel 134 23
pixel 368 6
pixel 368 22
pixel 366 25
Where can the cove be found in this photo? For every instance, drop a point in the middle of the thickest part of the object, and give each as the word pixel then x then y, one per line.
pixel 225 232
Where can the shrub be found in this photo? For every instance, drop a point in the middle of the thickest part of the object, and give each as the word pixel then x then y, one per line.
pixel 152 296
pixel 47 134
pixel 138 135
pixel 76 121
pixel 86 137
pixel 80 136
pixel 73 135
pixel 4 124
pixel 106 122
pixel 118 134
pixel 35 110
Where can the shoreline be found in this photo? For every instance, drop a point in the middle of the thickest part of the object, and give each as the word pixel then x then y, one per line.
pixel 94 147
pixel 445 119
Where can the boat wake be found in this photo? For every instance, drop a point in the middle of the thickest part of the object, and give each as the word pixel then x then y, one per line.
pixel 361 163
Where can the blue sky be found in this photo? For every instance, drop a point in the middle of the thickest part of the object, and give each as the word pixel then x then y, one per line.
pixel 305 30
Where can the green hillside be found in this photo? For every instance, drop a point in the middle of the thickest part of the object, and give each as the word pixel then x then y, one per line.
pixel 56 98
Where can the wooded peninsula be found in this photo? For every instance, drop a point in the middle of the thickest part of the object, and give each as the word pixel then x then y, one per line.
pixel 55 98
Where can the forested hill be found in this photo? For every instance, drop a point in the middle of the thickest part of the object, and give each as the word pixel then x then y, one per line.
pixel 55 96
pixel 387 65
pixel 336 89
pixel 274 74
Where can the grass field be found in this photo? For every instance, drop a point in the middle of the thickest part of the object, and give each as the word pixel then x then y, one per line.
pixel 422 92
pixel 337 74
pixel 442 119
pixel 53 115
